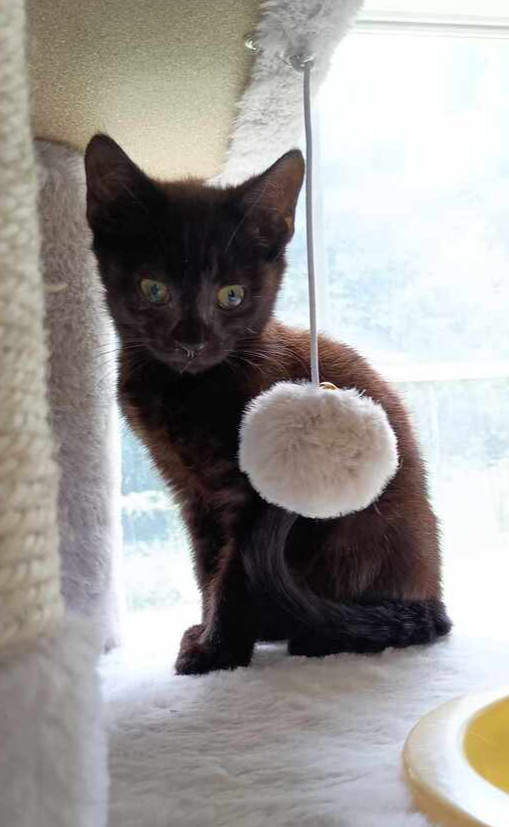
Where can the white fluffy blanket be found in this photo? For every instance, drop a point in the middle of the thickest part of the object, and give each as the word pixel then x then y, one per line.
pixel 285 742
pixel 52 745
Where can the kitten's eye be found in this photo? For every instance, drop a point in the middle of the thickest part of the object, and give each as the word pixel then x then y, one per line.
pixel 231 296
pixel 155 291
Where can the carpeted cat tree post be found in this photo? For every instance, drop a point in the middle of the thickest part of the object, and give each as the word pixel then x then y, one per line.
pixel 81 391
pixel 52 753
pixel 52 747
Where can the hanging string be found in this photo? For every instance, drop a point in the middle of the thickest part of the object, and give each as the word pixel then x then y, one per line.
pixel 305 66
pixel 313 331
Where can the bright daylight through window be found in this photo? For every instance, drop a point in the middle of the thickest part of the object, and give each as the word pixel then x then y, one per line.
pixel 414 168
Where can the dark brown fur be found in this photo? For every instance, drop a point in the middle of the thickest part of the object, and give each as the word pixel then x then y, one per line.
pixel 187 411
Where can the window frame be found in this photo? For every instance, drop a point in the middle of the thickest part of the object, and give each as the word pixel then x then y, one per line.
pixel 463 18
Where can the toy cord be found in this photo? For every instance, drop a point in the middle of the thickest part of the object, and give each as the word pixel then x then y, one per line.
pixel 308 128
pixel 305 66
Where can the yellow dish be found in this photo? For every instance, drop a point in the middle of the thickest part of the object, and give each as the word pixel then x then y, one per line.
pixel 456 762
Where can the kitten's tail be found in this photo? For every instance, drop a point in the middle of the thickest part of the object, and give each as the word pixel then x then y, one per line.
pixel 356 627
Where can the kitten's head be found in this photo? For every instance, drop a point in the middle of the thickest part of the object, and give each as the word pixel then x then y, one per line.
pixel 191 271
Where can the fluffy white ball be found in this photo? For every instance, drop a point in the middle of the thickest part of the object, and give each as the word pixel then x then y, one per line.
pixel 317 452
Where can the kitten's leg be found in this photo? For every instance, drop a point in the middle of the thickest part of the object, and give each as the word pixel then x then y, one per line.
pixel 401 624
pixel 226 639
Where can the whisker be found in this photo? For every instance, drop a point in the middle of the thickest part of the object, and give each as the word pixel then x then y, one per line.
pixel 243 359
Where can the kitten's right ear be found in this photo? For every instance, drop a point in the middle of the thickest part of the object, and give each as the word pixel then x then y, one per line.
pixel 110 175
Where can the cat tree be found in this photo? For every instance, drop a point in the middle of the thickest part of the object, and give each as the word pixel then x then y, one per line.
pixel 53 769
pixel 52 757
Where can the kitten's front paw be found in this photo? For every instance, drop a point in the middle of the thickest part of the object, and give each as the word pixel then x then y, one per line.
pixel 197 655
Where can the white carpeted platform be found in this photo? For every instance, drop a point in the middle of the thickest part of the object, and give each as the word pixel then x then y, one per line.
pixel 286 742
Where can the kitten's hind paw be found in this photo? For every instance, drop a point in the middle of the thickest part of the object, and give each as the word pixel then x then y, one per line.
pixel 199 655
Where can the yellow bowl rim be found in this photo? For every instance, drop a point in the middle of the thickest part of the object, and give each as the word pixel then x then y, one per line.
pixel 443 783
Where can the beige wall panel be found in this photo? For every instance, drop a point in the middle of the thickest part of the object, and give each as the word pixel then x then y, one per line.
pixel 162 77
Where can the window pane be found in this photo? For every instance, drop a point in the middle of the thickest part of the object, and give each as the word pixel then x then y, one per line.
pixel 157 565
pixel 415 171
pixel 463 427
pixel 414 175
pixel 415 181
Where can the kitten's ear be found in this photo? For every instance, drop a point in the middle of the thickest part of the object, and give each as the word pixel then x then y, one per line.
pixel 276 191
pixel 111 175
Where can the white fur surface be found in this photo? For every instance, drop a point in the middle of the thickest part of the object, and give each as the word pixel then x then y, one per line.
pixel 81 387
pixel 270 118
pixel 286 742
pixel 53 769
pixel 320 453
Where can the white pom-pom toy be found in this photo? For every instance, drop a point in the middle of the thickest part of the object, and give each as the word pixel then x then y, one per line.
pixel 311 448
pixel 317 451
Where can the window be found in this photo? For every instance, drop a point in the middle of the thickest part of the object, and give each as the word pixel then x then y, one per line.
pixel 157 563
pixel 414 176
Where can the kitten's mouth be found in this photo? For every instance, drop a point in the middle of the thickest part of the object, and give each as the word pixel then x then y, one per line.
pixel 193 364
pixel 188 361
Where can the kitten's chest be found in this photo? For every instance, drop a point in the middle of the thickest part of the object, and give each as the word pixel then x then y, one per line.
pixel 191 431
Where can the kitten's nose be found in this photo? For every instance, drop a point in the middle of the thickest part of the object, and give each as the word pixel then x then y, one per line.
pixel 191 348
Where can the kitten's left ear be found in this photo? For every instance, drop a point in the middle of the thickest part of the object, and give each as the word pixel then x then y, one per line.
pixel 275 192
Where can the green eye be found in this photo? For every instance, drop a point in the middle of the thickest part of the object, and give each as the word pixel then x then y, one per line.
pixel 155 291
pixel 231 296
